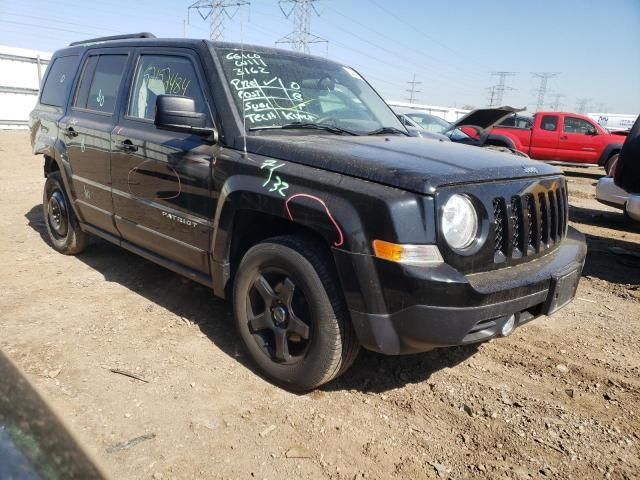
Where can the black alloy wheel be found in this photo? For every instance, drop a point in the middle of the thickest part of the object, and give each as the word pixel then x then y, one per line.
pixel 279 316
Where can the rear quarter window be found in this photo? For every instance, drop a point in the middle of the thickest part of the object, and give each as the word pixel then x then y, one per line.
pixel 57 86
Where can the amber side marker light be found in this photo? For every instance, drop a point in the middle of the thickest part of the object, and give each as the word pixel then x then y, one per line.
pixel 407 254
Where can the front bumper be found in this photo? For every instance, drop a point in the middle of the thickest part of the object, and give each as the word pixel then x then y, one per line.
pixel 439 307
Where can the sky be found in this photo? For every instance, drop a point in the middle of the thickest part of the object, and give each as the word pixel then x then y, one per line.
pixel 450 47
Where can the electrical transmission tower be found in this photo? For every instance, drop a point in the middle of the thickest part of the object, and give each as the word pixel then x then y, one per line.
pixel 302 11
pixel 217 11
pixel 501 86
pixel 492 91
pixel 542 89
pixel 582 104
pixel 556 104
pixel 412 90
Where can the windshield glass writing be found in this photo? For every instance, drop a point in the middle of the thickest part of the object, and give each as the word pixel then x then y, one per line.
pixel 275 89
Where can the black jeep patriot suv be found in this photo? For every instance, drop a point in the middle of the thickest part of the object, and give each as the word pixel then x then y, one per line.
pixel 285 183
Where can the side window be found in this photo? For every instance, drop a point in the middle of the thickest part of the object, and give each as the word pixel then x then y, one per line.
pixel 59 80
pixel 549 123
pixel 82 92
pixel 577 125
pixel 103 92
pixel 163 75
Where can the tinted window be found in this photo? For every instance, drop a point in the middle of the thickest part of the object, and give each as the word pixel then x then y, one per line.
pixel 163 75
pixel 549 122
pixel 82 92
pixel 59 80
pixel 577 125
pixel 104 84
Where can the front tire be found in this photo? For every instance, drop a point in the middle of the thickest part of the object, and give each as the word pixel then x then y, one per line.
pixel 291 315
pixel 63 228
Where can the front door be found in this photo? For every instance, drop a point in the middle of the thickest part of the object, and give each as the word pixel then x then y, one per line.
pixel 162 192
pixel 87 133
pixel 578 141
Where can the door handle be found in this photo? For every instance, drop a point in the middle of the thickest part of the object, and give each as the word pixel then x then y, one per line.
pixel 70 132
pixel 127 146
pixel 564 137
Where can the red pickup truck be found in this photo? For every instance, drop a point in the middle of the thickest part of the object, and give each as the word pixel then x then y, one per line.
pixel 562 137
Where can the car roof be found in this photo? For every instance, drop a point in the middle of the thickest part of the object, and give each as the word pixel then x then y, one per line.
pixel 132 41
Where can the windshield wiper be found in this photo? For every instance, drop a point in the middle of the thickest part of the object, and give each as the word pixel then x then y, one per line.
pixel 386 130
pixel 314 126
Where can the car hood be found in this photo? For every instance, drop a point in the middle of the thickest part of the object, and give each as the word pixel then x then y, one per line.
pixel 485 118
pixel 409 163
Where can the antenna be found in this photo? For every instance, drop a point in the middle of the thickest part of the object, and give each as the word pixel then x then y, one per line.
pixel 301 37
pixel 217 12
pixel 542 90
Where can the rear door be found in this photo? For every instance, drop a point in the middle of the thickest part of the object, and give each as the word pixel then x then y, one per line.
pixel 579 141
pixel 545 137
pixel 87 133
pixel 162 179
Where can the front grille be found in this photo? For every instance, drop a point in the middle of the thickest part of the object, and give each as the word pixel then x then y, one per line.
pixel 531 224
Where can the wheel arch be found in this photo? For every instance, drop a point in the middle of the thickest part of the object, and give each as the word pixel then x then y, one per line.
pixel 501 141
pixel 247 216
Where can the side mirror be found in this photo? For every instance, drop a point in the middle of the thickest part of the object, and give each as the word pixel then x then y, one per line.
pixel 179 114
pixel 592 132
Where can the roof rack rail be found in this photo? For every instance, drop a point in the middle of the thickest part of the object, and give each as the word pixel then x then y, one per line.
pixel 114 37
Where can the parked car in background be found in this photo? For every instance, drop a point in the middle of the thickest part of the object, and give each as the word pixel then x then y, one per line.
pixel 622 188
pixel 472 129
pixel 562 137
pixel 416 130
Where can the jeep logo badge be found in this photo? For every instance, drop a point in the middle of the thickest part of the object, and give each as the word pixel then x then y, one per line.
pixel 530 169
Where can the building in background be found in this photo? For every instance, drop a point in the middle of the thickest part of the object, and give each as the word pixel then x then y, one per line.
pixel 21 72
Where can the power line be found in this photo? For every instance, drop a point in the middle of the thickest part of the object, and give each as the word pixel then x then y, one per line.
pixel 301 37
pixel 412 90
pixel 501 86
pixel 422 32
pixel 542 89
pixel 217 12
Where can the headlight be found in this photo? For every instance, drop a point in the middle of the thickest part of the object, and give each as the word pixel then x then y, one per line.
pixel 459 222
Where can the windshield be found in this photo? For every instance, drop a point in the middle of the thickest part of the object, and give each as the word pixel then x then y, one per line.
pixel 276 89
pixel 429 122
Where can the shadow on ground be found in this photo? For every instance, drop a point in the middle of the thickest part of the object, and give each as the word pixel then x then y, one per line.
pixel 587 173
pixel 602 218
pixel 197 304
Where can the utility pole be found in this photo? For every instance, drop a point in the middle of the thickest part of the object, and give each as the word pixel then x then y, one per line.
pixel 601 108
pixel 492 95
pixel 216 11
pixel 542 89
pixel 412 90
pixel 501 86
pixel 582 104
pixel 556 104
pixel 301 37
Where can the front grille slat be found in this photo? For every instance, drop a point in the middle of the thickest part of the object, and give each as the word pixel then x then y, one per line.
pixel 530 223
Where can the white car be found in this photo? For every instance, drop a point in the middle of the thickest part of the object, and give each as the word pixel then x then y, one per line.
pixel 609 193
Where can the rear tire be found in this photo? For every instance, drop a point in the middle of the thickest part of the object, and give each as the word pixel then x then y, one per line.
pixel 62 225
pixel 610 163
pixel 291 315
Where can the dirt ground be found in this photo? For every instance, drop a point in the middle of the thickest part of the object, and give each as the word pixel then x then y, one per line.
pixel 560 398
